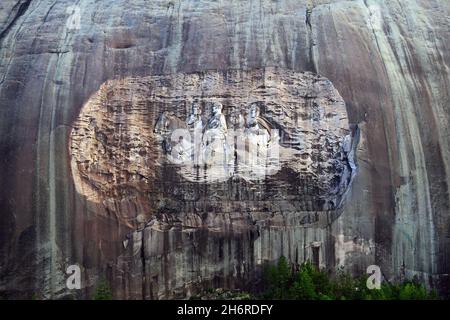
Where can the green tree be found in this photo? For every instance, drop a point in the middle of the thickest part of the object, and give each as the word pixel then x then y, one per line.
pixel 310 283
pixel 279 278
pixel 103 291
pixel 303 287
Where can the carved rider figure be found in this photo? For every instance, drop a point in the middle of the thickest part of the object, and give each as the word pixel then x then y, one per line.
pixel 258 134
pixel 214 136
pixel 195 124
pixel 163 128
pixel 255 123
pixel 217 122
pixel 194 120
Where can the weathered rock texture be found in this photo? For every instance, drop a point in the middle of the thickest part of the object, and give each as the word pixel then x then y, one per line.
pixel 208 229
pixel 388 59
pixel 115 152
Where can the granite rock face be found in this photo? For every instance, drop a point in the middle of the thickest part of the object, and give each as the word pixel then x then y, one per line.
pixel 117 146
pixel 207 204
pixel 59 61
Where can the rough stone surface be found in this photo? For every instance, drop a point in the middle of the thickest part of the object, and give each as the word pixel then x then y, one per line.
pixel 204 225
pixel 389 60
pixel 115 152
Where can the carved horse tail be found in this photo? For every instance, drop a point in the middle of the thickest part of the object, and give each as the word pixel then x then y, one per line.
pixel 266 125
pixel 167 123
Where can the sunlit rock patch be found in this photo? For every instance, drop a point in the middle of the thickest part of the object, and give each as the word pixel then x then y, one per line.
pixel 211 211
pixel 123 145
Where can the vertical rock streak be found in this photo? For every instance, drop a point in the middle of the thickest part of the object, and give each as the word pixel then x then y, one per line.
pixel 414 229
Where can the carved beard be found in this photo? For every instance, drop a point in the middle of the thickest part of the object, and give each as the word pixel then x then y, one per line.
pixel 214 122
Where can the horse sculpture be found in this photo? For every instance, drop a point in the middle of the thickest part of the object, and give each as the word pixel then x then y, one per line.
pixel 167 123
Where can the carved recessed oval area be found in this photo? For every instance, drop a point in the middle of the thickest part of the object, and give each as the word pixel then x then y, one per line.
pixel 266 140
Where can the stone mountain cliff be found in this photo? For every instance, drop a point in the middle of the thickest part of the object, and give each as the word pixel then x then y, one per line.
pixel 90 90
